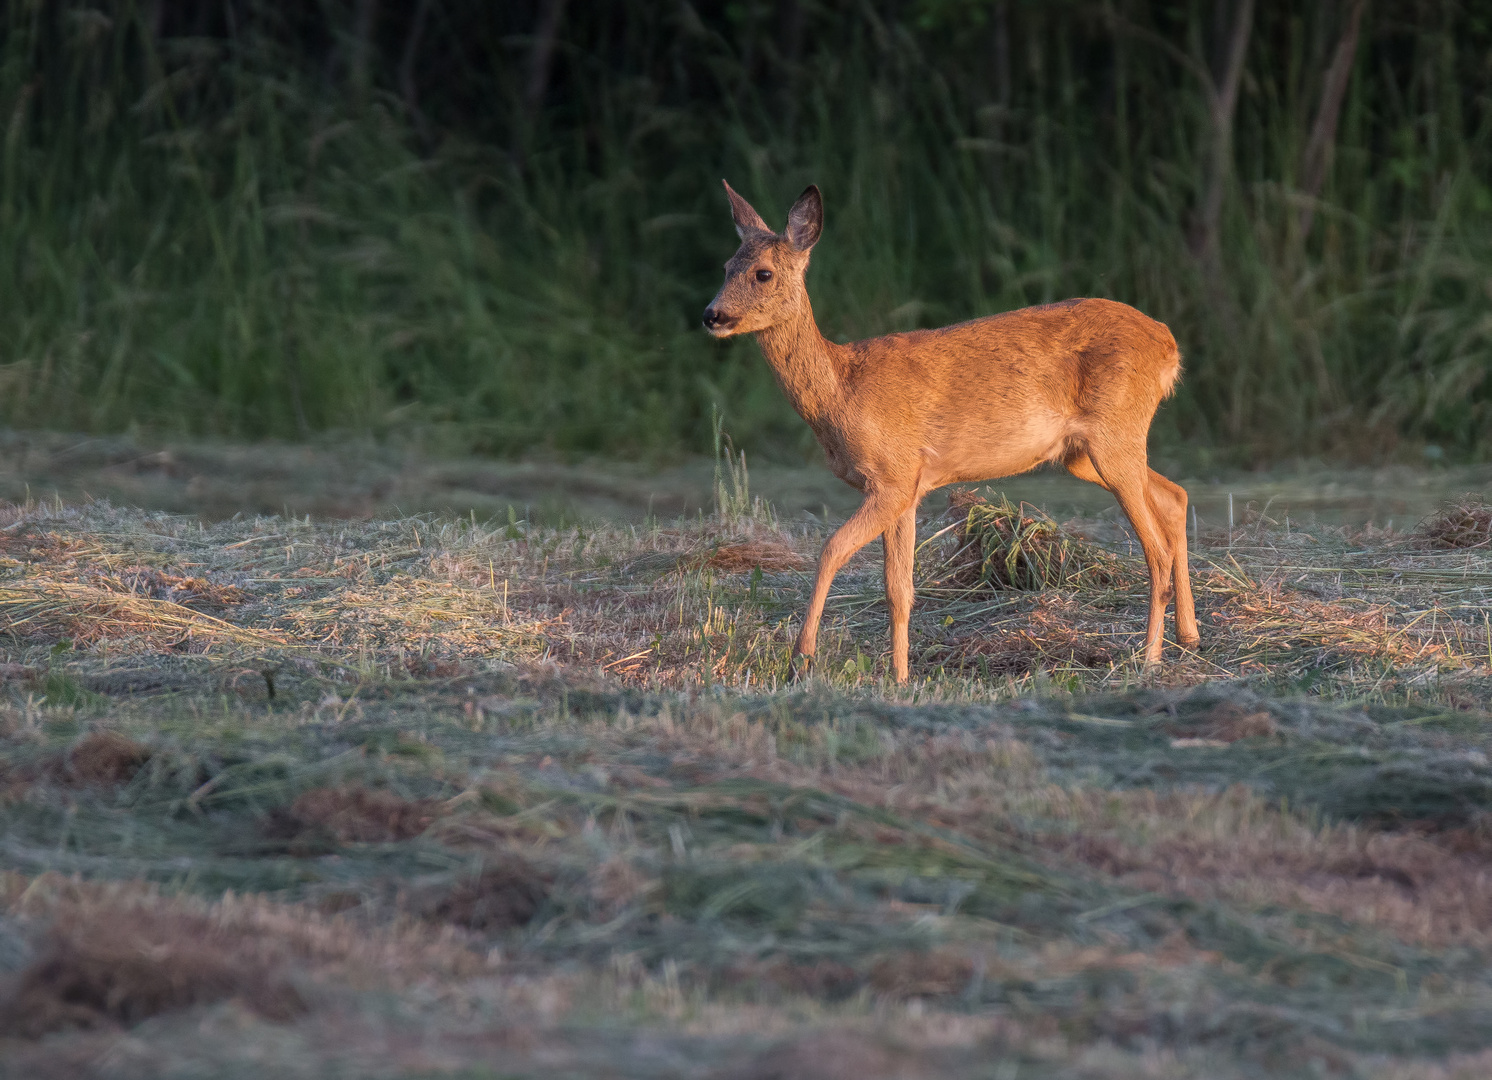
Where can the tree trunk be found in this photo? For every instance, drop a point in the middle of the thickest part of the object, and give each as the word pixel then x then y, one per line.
pixel 1315 160
pixel 1222 100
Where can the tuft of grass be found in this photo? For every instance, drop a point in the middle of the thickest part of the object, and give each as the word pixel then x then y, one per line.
pixel 1001 545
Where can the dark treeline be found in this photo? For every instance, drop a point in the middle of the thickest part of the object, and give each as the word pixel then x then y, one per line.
pixel 495 224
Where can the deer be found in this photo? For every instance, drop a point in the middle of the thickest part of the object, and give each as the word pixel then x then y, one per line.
pixel 1074 383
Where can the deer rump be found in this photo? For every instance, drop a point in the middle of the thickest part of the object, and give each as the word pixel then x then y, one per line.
pixel 1075 382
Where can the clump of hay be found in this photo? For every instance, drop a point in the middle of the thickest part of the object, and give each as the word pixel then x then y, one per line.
pixel 324 817
pixel 1464 523
pixel 148 581
pixel 771 556
pixel 938 973
pixel 103 759
pixel 824 978
pixel 1004 545
pixel 508 893
pixel 50 610
pixel 125 966
pixel 1226 722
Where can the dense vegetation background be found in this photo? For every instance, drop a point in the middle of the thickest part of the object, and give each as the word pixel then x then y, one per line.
pixel 494 225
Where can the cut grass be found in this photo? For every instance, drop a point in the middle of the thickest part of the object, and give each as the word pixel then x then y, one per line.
pixel 528 791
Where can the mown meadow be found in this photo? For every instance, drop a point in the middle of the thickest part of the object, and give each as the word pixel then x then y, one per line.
pixel 433 796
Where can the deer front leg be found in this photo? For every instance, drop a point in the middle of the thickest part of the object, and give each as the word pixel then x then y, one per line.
pixel 900 540
pixel 876 513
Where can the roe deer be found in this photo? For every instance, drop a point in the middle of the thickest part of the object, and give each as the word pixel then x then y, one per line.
pixel 1075 382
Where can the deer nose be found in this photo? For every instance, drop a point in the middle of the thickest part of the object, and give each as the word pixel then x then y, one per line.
pixel 715 319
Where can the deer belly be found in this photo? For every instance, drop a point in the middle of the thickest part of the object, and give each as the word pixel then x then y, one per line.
pixel 1008 449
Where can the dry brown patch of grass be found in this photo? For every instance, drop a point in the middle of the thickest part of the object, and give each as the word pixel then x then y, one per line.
pixel 935 973
pixel 824 979
pixel 51 610
pixel 1226 722
pixel 156 584
pixel 748 555
pixel 837 1055
pixel 98 759
pixel 1433 890
pixel 124 966
pixel 405 612
pixel 103 759
pixel 507 893
pixel 115 953
pixel 349 815
pixel 1275 621
pixel 1048 641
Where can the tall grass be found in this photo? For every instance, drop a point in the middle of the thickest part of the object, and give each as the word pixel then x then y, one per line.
pixel 220 226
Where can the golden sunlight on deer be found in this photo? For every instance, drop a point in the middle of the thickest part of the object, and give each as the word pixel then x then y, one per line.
pixel 1075 382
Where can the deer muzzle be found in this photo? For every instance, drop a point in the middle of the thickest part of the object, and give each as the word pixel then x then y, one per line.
pixel 718 322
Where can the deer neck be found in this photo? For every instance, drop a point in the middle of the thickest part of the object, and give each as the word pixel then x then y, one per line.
pixel 805 363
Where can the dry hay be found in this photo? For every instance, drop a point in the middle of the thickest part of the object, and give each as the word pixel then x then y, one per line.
pixel 156 584
pixel 1266 624
pixel 823 978
pixel 770 556
pixel 42 610
pixel 841 1055
pixel 1046 642
pixel 935 973
pixel 100 759
pixel 348 815
pixel 616 885
pixel 408 613
pixel 507 893
pixel 1002 545
pixel 1226 722
pixel 103 759
pixel 1431 888
pixel 1464 523
pixel 123 966
pixel 111 954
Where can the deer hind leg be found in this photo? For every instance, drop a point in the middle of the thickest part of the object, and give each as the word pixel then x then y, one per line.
pixel 878 512
pixel 900 540
pixel 1122 470
pixel 1168 505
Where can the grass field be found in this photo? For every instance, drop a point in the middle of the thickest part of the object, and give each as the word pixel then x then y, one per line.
pixel 437 796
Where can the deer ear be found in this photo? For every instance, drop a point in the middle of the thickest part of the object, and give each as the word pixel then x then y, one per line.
pixel 805 221
pixel 747 219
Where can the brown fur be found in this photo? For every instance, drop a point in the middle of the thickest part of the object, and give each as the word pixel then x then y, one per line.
pixel 1076 382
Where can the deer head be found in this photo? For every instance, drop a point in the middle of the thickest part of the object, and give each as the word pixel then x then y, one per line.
pixel 764 278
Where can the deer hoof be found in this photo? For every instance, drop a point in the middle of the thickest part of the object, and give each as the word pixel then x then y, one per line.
pixel 800 667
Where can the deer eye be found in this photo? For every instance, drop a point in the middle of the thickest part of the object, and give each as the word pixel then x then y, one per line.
pixel 764 275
